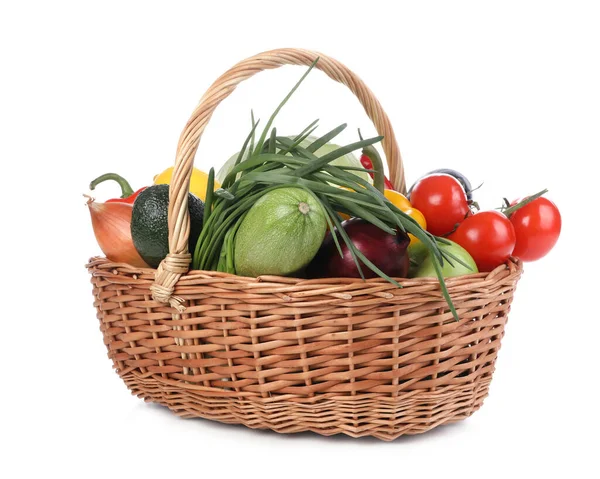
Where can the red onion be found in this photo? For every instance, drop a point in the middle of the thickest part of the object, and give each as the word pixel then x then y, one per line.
pixel 386 251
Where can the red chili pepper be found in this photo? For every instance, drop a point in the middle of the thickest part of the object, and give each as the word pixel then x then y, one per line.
pixel 368 165
pixel 128 195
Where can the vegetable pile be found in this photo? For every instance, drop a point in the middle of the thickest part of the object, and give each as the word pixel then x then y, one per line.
pixel 302 206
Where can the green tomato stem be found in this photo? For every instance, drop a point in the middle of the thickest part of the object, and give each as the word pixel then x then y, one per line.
pixel 510 210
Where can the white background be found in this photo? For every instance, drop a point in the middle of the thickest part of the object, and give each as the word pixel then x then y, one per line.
pixel 506 92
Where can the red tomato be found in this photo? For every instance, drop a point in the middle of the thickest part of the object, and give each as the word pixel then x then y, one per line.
pixel 442 200
pixel 537 226
pixel 489 237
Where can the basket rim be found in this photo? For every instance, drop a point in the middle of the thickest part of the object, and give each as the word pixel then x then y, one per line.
pixel 513 266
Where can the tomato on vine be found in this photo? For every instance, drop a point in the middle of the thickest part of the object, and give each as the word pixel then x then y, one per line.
pixel 537 223
pixel 488 236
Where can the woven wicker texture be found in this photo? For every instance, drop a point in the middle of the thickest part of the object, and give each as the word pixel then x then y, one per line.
pixel 335 356
pixel 331 356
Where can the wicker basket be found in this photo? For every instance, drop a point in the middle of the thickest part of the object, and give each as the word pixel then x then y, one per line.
pixel 330 356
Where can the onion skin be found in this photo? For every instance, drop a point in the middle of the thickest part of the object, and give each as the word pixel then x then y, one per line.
pixel 112 228
pixel 387 252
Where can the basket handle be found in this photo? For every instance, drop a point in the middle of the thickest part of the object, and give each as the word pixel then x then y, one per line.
pixel 177 261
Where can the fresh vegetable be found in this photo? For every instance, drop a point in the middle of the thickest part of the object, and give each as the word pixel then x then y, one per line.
pixel 488 236
pixel 416 215
pixel 422 262
pixel 368 164
pixel 112 227
pixel 442 201
pixel 386 251
pixel 127 194
pixel 198 181
pixel 402 203
pixel 280 234
pixel 397 199
pixel 149 223
pixel 537 223
pixel 462 179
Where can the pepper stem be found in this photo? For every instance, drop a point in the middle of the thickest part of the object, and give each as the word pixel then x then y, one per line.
pixel 377 165
pixel 126 189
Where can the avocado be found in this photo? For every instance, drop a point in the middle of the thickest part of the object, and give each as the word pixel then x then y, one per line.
pixel 150 226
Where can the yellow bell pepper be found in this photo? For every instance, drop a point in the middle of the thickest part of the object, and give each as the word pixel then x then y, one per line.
pixel 198 181
pixel 397 199
pixel 403 204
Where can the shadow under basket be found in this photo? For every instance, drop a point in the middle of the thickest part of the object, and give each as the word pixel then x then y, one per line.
pixel 336 355
pixel 330 356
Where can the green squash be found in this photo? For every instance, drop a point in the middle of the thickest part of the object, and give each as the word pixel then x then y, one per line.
pixel 280 234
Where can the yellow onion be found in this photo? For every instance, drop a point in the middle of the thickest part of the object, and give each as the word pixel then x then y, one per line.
pixel 112 228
